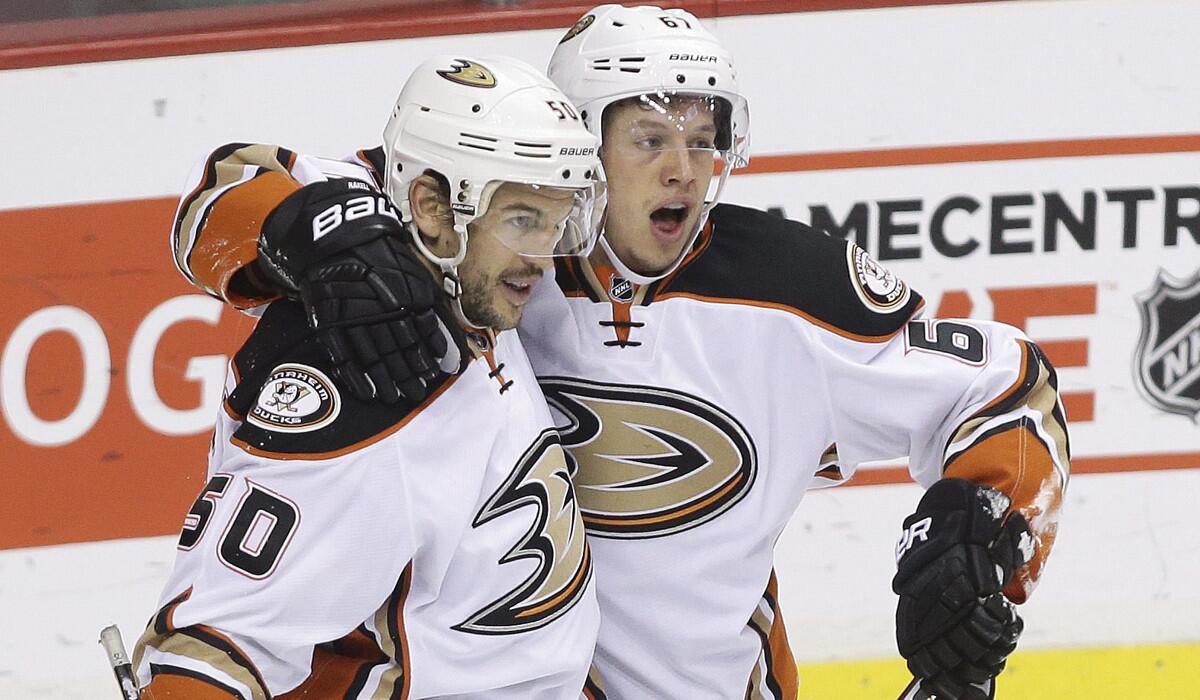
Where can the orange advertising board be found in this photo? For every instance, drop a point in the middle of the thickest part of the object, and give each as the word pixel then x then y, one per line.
pixel 106 354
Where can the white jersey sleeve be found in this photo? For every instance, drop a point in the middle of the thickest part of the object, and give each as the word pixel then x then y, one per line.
pixel 960 398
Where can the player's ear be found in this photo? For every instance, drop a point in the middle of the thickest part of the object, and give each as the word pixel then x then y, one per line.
pixel 429 200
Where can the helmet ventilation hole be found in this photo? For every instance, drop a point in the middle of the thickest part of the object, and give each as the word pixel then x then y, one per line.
pixel 567 174
pixel 712 80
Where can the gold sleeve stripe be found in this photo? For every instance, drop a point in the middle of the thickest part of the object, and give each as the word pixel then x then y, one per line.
pixel 216 651
pixel 388 624
pixel 177 683
pixel 1014 459
pixel 774 676
pixel 1037 389
pixel 227 167
pixel 160 625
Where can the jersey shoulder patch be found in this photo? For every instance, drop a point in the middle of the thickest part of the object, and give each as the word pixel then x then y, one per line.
pixel 765 259
pixel 289 401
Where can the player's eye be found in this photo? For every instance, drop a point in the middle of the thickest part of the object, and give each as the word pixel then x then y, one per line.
pixel 650 143
pixel 523 222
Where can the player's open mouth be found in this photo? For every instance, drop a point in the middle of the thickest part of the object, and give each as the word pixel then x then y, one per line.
pixel 517 289
pixel 667 222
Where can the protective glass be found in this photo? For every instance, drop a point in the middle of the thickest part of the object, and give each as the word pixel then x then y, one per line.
pixel 689 131
pixel 540 221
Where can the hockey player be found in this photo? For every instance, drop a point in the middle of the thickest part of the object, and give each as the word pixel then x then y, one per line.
pixel 710 364
pixel 357 549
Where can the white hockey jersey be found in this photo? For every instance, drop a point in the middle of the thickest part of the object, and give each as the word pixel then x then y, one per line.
pixel 344 549
pixel 700 409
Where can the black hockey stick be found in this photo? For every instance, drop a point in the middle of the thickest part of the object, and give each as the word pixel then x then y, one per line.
pixel 913 690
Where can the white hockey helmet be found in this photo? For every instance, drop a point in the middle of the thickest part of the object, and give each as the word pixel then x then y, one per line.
pixel 482 122
pixel 614 53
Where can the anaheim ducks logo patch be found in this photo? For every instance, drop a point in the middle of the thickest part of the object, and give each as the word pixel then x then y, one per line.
pixel 556 541
pixel 296 399
pixel 880 289
pixel 649 462
pixel 583 23
pixel 465 72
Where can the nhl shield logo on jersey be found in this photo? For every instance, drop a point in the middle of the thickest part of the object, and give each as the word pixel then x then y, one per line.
pixel 295 399
pixel 466 72
pixel 620 289
pixel 647 461
pixel 556 541
pixel 1167 359
pixel 880 289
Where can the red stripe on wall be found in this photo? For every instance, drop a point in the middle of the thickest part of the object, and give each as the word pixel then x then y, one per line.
pixel 971 153
pixel 1079 465
pixel 184 32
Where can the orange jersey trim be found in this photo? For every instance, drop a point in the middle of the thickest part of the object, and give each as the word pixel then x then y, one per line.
pixel 783 661
pixel 791 310
pixel 1018 463
pixel 238 215
pixel 285 456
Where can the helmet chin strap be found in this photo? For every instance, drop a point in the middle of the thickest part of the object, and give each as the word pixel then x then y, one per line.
pixel 640 279
pixel 451 284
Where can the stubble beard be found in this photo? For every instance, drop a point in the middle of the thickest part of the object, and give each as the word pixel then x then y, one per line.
pixel 481 301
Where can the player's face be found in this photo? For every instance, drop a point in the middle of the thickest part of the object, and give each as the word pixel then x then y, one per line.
pixel 658 161
pixel 497 281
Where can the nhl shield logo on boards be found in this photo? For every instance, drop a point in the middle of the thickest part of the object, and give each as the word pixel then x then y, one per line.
pixel 1167 360
pixel 295 399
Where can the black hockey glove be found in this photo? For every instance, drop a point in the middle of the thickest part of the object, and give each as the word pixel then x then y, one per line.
pixel 338 246
pixel 957 551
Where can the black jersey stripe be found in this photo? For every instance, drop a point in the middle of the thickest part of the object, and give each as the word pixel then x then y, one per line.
pixel 170 670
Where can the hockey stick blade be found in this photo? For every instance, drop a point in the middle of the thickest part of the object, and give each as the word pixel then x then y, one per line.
pixel 914 691
pixel 114 647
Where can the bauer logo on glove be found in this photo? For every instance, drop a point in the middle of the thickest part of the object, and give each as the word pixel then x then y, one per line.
pixel 954 627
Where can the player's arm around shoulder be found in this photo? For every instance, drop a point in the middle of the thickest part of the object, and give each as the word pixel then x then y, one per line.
pixel 301 534
pixel 260 222
pixel 225 205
